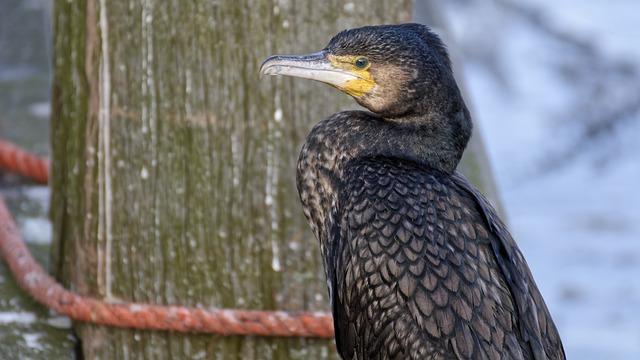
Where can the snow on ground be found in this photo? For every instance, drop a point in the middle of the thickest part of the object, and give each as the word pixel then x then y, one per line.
pixel 32 206
pixel 33 341
pixel 14 317
pixel 578 224
pixel 36 230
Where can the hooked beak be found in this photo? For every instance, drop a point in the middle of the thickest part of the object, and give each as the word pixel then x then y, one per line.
pixel 314 66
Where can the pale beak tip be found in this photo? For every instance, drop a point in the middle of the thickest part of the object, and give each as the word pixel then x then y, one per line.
pixel 267 68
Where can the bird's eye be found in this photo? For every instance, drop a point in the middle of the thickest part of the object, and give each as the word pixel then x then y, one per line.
pixel 361 62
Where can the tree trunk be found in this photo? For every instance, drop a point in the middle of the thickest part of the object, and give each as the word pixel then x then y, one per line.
pixel 173 165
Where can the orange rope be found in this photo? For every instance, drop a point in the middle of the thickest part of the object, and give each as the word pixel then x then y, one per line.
pixel 42 287
pixel 13 159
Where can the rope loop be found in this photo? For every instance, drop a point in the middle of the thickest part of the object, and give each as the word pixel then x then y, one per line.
pixel 42 287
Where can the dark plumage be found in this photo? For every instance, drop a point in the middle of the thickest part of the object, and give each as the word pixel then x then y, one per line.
pixel 419 265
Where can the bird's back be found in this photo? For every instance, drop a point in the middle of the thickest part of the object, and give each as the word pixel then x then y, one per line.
pixel 416 273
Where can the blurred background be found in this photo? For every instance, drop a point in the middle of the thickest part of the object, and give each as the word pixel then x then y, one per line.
pixel 554 88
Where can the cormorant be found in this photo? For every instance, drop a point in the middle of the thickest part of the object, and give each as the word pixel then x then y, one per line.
pixel 418 263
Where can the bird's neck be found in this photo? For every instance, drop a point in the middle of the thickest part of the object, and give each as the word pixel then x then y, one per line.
pixel 436 141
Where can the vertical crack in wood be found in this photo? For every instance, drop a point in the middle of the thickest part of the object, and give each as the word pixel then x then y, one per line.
pixel 105 149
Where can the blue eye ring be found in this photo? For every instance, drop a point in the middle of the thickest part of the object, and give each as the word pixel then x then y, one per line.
pixel 361 62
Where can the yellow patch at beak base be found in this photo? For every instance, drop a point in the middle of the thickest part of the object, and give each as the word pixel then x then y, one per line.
pixel 364 82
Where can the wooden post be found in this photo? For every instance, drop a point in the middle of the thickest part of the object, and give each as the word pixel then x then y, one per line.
pixel 173 165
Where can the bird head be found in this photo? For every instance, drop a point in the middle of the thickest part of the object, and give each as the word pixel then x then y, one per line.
pixel 394 71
